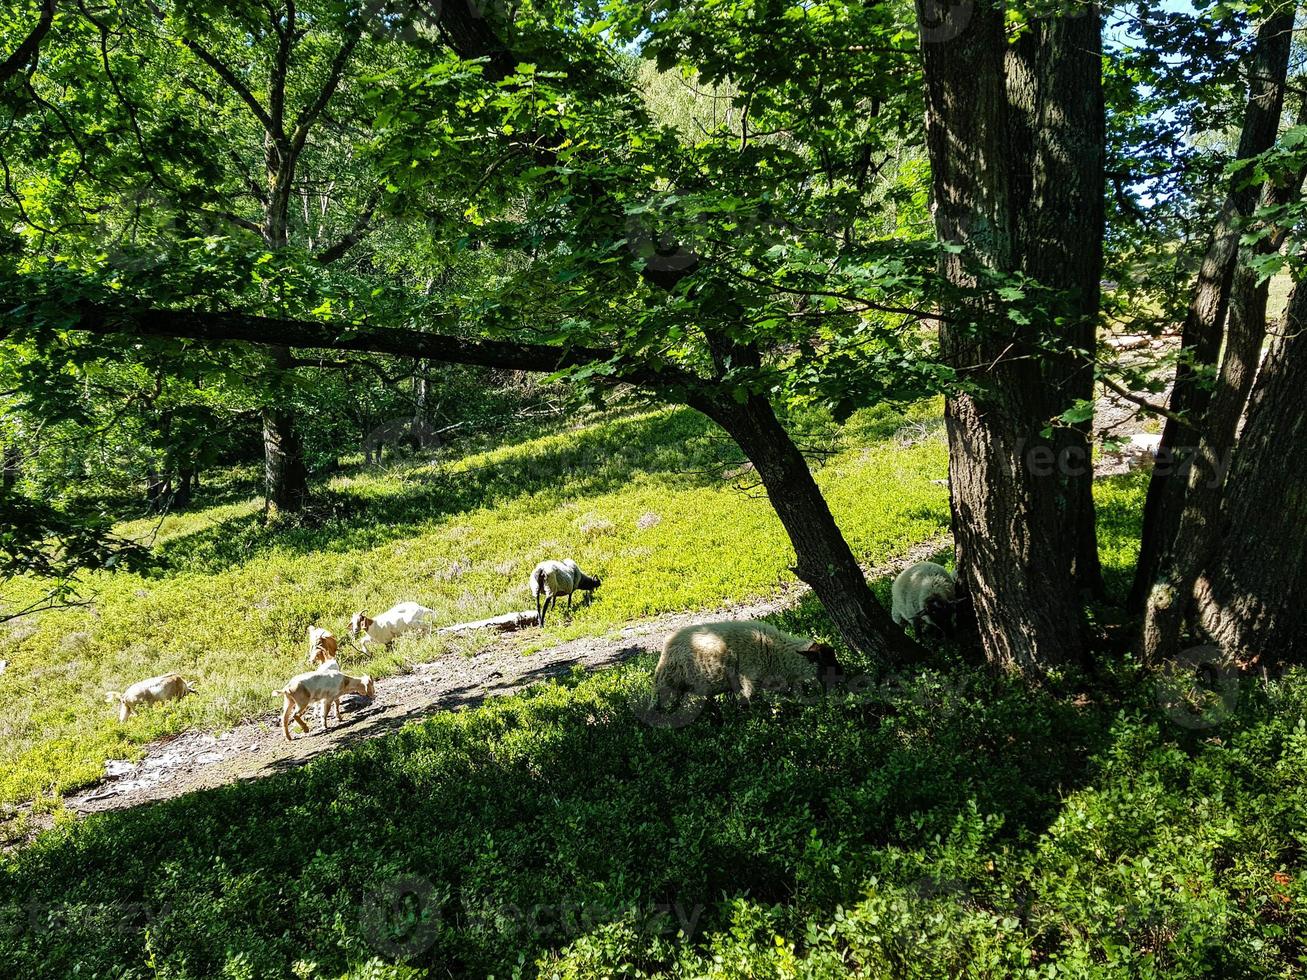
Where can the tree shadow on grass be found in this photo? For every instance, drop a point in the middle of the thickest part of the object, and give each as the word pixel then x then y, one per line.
pixel 460 842
pixel 679 447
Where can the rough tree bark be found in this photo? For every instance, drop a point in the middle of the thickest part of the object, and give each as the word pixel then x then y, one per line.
pixel 1200 339
pixel 1250 598
pixel 1014 136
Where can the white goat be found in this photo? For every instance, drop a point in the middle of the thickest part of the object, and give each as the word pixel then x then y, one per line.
pixel 741 656
pixel 394 621
pixel 165 687
pixel 552 579
pixel 324 686
pixel 322 644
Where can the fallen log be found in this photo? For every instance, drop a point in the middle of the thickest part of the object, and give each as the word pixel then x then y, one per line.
pixel 503 624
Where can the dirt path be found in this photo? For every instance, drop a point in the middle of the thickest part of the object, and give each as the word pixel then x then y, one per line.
pixel 199 760
pixel 257 748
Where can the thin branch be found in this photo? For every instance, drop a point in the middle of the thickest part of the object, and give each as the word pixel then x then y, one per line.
pixel 1141 401
pixel 309 114
pixel 352 237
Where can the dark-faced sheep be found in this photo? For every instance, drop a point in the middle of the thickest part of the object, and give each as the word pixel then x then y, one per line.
pixel 551 579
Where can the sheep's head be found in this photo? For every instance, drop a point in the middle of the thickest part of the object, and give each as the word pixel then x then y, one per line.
pixel 358 623
pixel 942 614
pixel 365 686
pixel 829 669
pixel 585 583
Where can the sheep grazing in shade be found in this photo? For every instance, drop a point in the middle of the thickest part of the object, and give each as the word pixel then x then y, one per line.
pixel 927 594
pixel 165 687
pixel 326 687
pixel 393 622
pixel 551 579
pixel 322 645
pixel 743 656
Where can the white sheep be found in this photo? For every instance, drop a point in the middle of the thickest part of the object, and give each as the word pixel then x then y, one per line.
pixel 165 687
pixel 324 686
pixel 926 593
pixel 741 656
pixel 552 578
pixel 322 644
pixel 394 621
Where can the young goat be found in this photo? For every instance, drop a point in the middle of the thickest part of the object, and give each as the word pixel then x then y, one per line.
pixel 552 579
pixel 165 687
pixel 396 620
pixel 324 686
pixel 322 644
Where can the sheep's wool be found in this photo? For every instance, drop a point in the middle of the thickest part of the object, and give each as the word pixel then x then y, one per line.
pixel 712 658
pixel 915 586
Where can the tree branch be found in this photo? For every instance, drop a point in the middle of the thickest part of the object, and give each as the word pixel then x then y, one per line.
pixel 352 237
pixel 309 114
pixel 24 52
pixel 234 83
pixel 207 327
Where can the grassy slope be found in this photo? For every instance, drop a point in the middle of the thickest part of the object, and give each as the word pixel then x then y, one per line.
pixel 638 500
pixel 943 825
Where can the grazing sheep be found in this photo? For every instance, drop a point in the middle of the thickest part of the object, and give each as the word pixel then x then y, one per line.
pixel 928 594
pixel 324 686
pixel 322 644
pixel 165 687
pixel 552 579
pixel 390 624
pixel 741 656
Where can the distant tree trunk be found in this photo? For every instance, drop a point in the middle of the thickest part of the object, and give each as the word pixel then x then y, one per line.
pixel 1250 600
pixel 285 475
pixel 1200 340
pixel 10 466
pixel 824 559
pixel 1014 136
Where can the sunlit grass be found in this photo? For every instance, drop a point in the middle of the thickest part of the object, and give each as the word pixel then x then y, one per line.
pixel 638 500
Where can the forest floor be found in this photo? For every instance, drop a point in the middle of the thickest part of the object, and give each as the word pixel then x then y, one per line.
pixel 195 760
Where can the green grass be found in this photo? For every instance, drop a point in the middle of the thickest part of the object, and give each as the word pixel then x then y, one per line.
pixel 948 823
pixel 638 500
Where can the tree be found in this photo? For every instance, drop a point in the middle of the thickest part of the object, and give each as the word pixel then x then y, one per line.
pixel 1016 150
pixel 1267 66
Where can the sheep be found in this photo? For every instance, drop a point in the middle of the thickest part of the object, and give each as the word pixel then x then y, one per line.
pixel 928 594
pixel 739 656
pixel 324 686
pixel 553 578
pixel 165 687
pixel 322 644
pixel 390 624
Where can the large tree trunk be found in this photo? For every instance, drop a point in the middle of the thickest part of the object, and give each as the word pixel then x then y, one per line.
pixel 824 560
pixel 1057 132
pixel 1016 157
pixel 1250 599
pixel 1200 340
pixel 285 475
